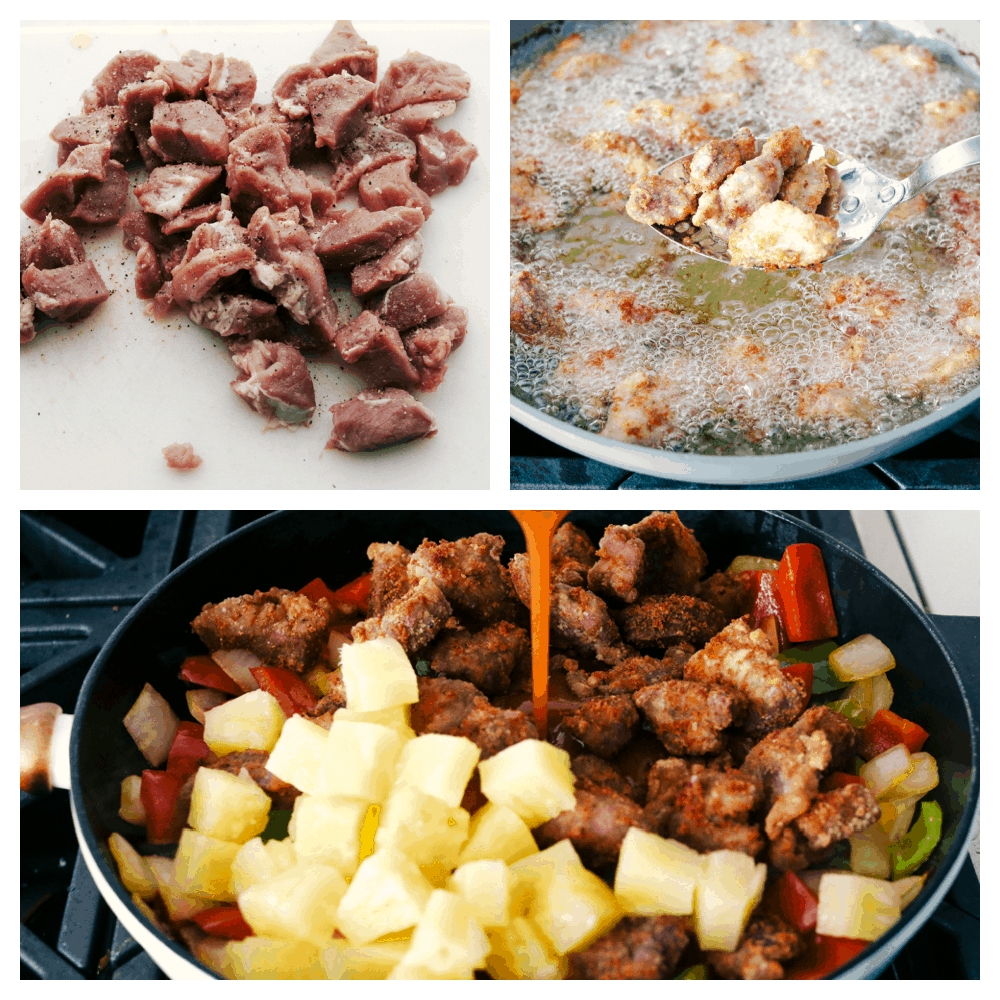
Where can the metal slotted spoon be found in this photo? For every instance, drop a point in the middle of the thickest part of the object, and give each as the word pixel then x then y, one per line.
pixel 859 198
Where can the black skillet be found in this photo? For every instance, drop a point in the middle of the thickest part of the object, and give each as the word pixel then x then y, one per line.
pixel 288 549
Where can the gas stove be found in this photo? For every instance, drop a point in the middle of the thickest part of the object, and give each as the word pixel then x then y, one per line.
pixel 81 572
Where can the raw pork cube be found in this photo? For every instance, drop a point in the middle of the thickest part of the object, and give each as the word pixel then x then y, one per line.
pixel 397 262
pixel 391 185
pixel 378 418
pixel 375 353
pixel 274 381
pixel 338 105
pixel 189 132
pixel 66 293
pixel 443 159
pixel 411 301
pixel 416 78
pixel 344 49
pixel 361 235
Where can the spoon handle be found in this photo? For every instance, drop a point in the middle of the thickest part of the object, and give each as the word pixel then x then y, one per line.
pixel 946 161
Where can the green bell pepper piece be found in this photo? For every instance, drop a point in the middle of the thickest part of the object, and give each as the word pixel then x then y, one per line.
pixel 277 825
pixel 914 848
pixel 850 710
pixel 694 972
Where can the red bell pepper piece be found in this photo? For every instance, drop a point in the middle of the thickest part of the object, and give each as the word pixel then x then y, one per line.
pixel 803 671
pixel 805 594
pixel 768 613
pixel 316 589
pixel 292 693
pixel 795 902
pixel 160 793
pixel 188 751
pixel 205 672
pixel 886 730
pixel 355 593
pixel 224 921
pixel 838 779
pixel 823 956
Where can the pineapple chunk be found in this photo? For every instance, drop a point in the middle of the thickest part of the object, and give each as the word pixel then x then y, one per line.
pixel 271 958
pixel 370 961
pixel 485 886
pixel 729 888
pixel 397 716
pixel 361 760
pixel 300 904
pixel 136 875
pixel 179 906
pixel 423 827
pixel 497 833
pixel 228 807
pixel 448 941
pixel 377 674
pixel 531 873
pixel 532 778
pixel 438 765
pixel 203 866
pixel 656 875
pixel 251 722
pixel 521 951
pixel 251 865
pixel 327 831
pixel 299 756
pixel 855 906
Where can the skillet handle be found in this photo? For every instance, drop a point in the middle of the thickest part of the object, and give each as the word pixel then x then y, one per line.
pixel 44 747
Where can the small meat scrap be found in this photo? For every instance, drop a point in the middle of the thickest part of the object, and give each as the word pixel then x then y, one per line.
pixel 630 675
pixel 443 159
pixel 65 293
pixel 687 716
pixel 359 236
pixel 430 345
pixel 170 190
pixel 274 382
pixel 780 235
pixel 470 574
pixel 415 79
pixel 189 132
pixel 53 244
pixel 396 263
pixel 412 301
pixel 281 794
pixel 637 948
pixel 374 352
pixel 485 658
pixel 458 708
pixel 596 825
pixel 765 944
pixel 103 125
pixel 662 621
pixel 743 660
pixel 181 456
pixel 88 186
pixel 283 628
pixel 604 725
pixel 344 50
pixel 389 576
pixel 413 619
pixel 391 185
pixel 377 418
pixel 338 105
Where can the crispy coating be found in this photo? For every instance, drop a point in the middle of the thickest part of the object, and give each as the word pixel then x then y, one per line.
pixel 470 575
pixel 781 235
pixel 714 162
pixel 661 621
pixel 531 203
pixel 413 619
pixel 839 814
pixel 742 660
pixel 745 190
pixel 790 852
pixel 765 944
pixel 457 708
pixel 805 186
pixel 789 146
pixel 621 150
pixel 637 948
pixel 571 550
pixel 485 658
pixel 532 316
pixel 389 579
pixel 600 772
pixel 283 628
pixel 840 734
pixel 581 620
pixel 619 565
pixel 687 716
pixel 663 199
pixel 604 725
pixel 630 675
pixel 731 595
pixel 282 794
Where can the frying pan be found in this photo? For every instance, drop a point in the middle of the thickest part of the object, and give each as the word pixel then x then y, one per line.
pixel 289 548
pixel 530 39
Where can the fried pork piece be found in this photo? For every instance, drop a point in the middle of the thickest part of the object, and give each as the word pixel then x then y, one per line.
pixel 839 814
pixel 780 235
pixel 663 620
pixel 531 203
pixel 619 565
pixel 637 948
pixel 788 764
pixel 790 852
pixel 744 191
pixel 765 944
pixel 412 619
pixel 571 544
pixel 688 716
pixel 805 186
pixel 484 658
pixel 581 620
pixel 604 725
pixel 470 575
pixel 282 794
pixel 731 595
pixel 663 199
pixel 623 151
pixel 457 708
pixel 600 772
pixel 789 146
pixel 714 162
pixel 389 577
pixel 596 825
pixel 840 734
pixel 283 628
pixel 743 660
pixel 641 410
pixel 336 698
pixel 532 316
pixel 628 676
pixel 707 808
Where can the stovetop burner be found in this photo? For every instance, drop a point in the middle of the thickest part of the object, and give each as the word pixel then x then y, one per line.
pixel 81 572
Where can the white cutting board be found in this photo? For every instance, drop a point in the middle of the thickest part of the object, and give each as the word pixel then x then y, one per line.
pixel 99 400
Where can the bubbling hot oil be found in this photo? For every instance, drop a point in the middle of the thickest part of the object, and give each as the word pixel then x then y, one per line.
pixel 746 350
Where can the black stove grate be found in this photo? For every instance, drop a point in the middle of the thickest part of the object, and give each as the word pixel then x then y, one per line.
pixel 81 572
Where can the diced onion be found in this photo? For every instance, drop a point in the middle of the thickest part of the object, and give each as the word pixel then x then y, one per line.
pixel 237 664
pixel 872 694
pixel 908 888
pixel 887 769
pixel 202 700
pixel 135 874
pixel 862 657
pixel 919 781
pixel 132 809
pixel 152 724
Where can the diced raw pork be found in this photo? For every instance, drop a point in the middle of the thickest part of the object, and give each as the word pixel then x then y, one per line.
pixel 88 186
pixel 181 456
pixel 412 301
pixel 390 186
pixel 191 218
pixel 290 90
pixel 66 293
pixel 378 418
pixel 172 189
pixel 274 382
pixel 430 345
pixel 361 235
pixel 397 262
pixel 216 250
pixel 287 265
pixel 125 68
pixel 375 353
pixel 149 274
pixel 236 316
pixel 338 105
pixel 258 172
pixel 187 77
pixel 231 84
pixel 377 145
pixel 53 244
pixel 189 132
pixel 344 49
pixel 138 101
pixel 416 78
pixel 412 119
pixel 103 125
pixel 443 159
